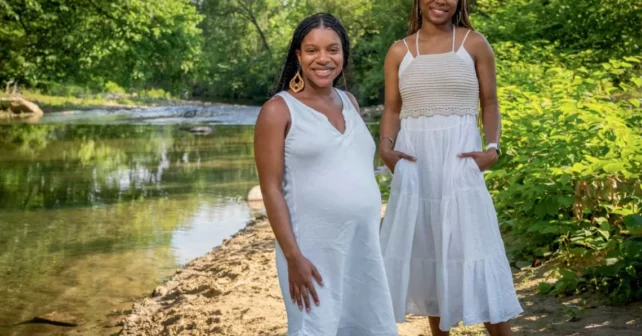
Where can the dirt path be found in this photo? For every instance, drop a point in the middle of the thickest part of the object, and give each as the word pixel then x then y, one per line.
pixel 233 291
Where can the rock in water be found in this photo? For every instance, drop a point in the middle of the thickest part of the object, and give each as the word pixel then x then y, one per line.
pixel 198 130
pixel 255 199
pixel 255 194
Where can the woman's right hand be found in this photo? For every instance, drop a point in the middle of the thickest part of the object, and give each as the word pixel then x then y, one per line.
pixel 391 158
pixel 300 275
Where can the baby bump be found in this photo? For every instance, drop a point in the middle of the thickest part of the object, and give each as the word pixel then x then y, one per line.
pixel 326 208
pixel 347 196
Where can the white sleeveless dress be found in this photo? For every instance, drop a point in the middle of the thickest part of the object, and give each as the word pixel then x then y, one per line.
pixel 335 210
pixel 442 248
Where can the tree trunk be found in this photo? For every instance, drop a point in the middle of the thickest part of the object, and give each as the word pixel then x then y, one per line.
pixel 246 9
pixel 263 38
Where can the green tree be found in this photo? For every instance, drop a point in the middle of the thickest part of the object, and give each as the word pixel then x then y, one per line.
pixel 137 44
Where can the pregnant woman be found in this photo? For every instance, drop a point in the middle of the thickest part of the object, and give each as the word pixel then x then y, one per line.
pixel 314 156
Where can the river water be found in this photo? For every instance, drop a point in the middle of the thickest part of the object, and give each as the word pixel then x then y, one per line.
pixel 99 207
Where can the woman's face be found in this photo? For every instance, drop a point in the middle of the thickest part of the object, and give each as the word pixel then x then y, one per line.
pixel 438 12
pixel 321 56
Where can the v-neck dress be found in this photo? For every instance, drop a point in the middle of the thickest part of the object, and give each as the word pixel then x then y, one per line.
pixel 335 209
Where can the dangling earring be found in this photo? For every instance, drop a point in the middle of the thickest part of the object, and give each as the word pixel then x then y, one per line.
pixel 296 83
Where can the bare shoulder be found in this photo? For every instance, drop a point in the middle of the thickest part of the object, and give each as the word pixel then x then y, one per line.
pixel 478 45
pixel 353 100
pixel 397 51
pixel 274 112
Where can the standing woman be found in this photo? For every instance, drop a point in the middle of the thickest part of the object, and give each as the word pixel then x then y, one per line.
pixel 440 239
pixel 315 158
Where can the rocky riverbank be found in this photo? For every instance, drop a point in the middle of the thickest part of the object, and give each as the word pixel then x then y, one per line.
pixel 233 291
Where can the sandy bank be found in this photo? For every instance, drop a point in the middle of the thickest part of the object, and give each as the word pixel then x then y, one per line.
pixel 233 291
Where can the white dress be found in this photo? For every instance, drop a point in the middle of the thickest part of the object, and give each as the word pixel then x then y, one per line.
pixel 335 210
pixel 442 248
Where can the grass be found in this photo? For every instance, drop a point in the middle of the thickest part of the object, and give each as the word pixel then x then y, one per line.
pixel 49 103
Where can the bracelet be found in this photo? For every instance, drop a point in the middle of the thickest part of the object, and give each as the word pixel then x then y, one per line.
pixel 389 138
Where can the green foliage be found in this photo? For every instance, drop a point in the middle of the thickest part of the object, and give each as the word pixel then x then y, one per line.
pixel 111 87
pixel 67 90
pixel 136 44
pixel 155 94
pixel 573 163
pixel 384 185
pixel 610 26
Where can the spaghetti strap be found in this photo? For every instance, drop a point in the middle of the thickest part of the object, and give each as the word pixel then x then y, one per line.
pixel 407 47
pixel 465 37
pixel 454 31
pixel 417 43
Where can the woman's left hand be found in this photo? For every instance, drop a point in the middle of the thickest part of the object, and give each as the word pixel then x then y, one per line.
pixel 484 160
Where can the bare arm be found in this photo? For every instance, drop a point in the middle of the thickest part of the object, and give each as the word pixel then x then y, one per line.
pixel 269 143
pixel 485 65
pixel 484 58
pixel 390 122
pixel 269 152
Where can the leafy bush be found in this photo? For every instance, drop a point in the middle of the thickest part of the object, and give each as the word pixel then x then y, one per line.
pixel 573 164
pixel 111 87
pixel 155 94
pixel 610 26
pixel 65 90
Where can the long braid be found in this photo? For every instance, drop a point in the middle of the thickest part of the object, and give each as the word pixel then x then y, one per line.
pixel 463 19
pixel 291 63
pixel 415 18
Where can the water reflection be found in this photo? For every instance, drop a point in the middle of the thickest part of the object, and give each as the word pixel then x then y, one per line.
pixel 92 216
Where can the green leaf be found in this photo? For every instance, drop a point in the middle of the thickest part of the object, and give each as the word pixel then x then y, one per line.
pixel 523 264
pixel 567 273
pixel 612 168
pixel 545 287
pixel 631 271
pixel 633 224
pixel 611 261
pixel 632 59
pixel 604 233
pixel 635 102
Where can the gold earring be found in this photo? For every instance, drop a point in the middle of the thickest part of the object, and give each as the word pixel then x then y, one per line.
pixel 296 83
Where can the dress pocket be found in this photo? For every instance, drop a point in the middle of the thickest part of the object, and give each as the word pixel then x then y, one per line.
pixel 469 175
pixel 398 166
pixel 473 164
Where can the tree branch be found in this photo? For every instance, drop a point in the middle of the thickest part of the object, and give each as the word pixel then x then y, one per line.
pixel 246 9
